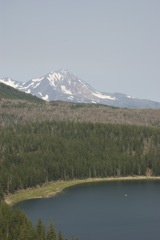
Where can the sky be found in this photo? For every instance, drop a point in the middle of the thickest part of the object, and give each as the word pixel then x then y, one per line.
pixel 113 45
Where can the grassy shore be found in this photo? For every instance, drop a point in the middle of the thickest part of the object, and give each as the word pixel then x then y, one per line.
pixel 53 188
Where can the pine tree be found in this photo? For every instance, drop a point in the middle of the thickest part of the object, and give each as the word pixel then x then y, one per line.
pixel 60 237
pixel 51 234
pixel 40 230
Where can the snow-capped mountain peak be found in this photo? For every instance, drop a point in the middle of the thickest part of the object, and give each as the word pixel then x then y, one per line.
pixel 64 86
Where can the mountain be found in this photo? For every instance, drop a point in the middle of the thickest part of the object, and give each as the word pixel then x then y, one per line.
pixel 64 86
pixel 8 92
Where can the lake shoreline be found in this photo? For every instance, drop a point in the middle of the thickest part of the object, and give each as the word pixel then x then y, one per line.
pixel 53 188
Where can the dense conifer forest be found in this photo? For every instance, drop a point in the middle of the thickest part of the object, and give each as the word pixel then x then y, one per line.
pixel 43 142
pixel 34 153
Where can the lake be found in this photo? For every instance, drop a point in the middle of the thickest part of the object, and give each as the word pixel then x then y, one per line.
pixel 118 210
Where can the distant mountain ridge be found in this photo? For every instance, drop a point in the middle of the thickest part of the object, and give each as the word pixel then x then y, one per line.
pixel 64 86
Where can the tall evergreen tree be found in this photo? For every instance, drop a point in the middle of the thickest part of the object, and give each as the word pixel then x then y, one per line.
pixel 60 237
pixel 51 234
pixel 40 230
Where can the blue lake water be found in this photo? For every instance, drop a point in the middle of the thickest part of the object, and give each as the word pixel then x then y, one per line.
pixel 124 210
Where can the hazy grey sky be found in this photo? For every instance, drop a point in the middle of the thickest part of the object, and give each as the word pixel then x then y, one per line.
pixel 114 45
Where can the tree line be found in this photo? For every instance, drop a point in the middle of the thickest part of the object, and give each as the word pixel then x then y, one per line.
pixel 22 111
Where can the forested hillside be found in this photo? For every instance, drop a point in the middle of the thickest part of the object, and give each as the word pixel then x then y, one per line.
pixel 35 153
pixel 8 92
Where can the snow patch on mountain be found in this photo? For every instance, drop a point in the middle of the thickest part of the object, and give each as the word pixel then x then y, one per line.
pixel 35 86
pixel 130 97
pixel 53 77
pixel 65 90
pixel 37 79
pixel 46 98
pixel 82 83
pixel 100 95
pixel 23 88
pixel 28 91
pixel 70 98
